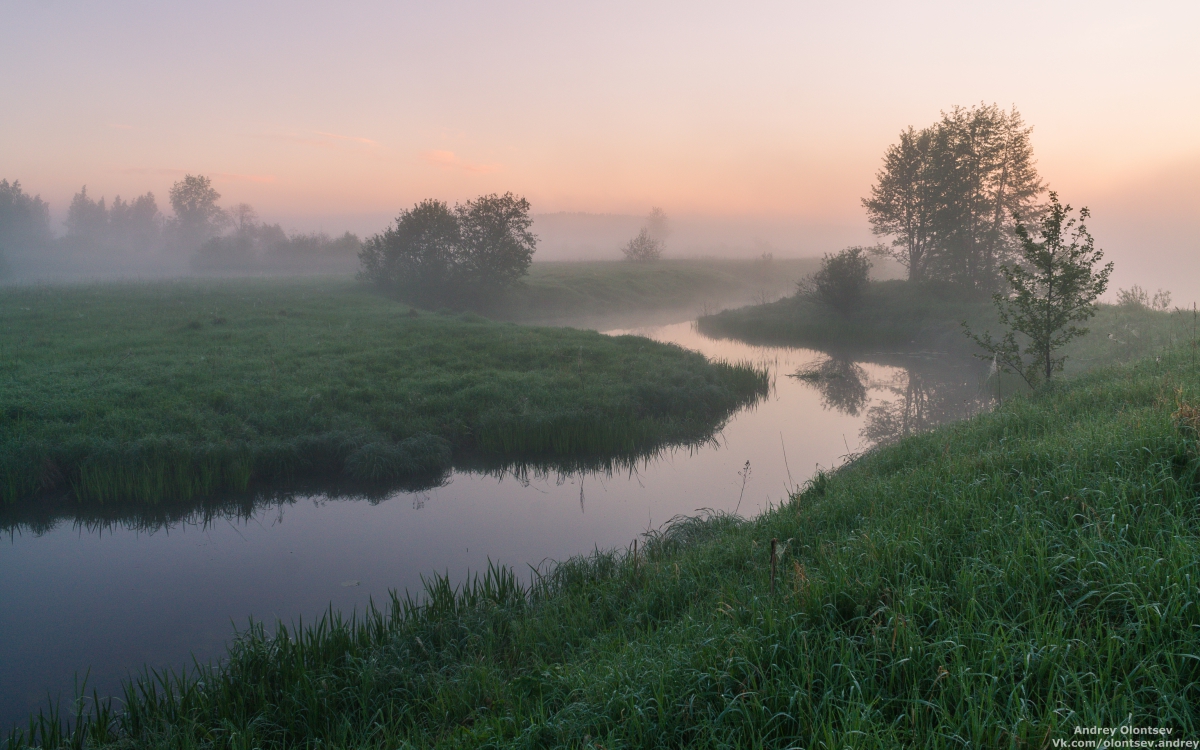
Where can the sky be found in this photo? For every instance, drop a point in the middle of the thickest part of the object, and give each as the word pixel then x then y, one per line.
pixel 334 116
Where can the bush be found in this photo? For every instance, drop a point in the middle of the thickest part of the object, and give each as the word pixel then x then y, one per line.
pixel 842 279
pixel 643 248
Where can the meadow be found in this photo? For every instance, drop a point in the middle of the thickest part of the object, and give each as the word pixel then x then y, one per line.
pixel 148 392
pixel 996 582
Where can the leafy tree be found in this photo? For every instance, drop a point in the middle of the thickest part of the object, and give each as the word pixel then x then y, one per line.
pixel 197 215
pixel 947 194
pixel 842 279
pixel 904 200
pixel 136 224
pixel 1054 286
pixel 643 248
pixel 495 246
pixel 438 253
pixel 418 255
pixel 24 222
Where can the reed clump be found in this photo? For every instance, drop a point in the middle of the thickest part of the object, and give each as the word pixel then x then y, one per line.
pixel 173 390
pixel 996 582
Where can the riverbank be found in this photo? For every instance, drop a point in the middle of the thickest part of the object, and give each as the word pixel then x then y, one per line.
pixel 998 581
pixel 148 391
pixel 898 316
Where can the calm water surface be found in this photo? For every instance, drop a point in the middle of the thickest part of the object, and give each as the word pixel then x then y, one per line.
pixel 111 598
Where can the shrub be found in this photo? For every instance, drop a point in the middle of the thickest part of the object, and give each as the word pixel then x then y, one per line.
pixel 643 248
pixel 842 279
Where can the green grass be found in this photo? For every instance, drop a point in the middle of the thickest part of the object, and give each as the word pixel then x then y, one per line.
pixel 898 316
pixel 992 583
pixel 158 391
pixel 562 290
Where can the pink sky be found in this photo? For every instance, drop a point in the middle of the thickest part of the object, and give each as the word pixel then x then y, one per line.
pixel 334 116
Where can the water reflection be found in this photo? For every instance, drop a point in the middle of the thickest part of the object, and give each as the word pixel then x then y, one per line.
pixel 918 392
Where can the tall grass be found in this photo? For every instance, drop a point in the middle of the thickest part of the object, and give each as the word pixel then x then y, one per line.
pixel 992 583
pixel 171 390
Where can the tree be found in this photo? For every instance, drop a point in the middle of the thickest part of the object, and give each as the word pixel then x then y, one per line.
pixel 24 222
pixel 418 254
pixel 495 246
pixel 197 215
pixel 842 278
pixel 947 194
pixel 643 248
pixel 87 220
pixel 903 200
pixel 658 226
pixel 436 253
pixel 649 243
pixel 1053 286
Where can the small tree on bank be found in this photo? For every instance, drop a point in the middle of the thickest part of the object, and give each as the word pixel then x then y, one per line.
pixel 643 248
pixel 1054 286
pixel 842 279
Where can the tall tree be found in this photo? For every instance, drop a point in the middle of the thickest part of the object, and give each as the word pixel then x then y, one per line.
pixel 946 195
pixel 87 219
pixel 1054 285
pixel 197 215
pixel 903 200
pixel 24 222
pixel 495 244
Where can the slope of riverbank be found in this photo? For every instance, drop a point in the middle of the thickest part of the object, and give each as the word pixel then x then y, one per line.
pixel 995 582
pixel 150 391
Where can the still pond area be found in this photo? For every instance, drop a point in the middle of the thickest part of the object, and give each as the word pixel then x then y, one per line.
pixel 106 598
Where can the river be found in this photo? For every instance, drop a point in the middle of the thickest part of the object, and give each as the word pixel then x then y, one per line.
pixel 106 598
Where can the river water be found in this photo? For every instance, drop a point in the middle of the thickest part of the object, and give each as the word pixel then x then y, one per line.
pixel 107 598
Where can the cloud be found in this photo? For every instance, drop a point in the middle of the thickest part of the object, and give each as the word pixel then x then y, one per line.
pixel 450 160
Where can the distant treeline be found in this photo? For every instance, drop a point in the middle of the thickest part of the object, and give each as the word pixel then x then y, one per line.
pixel 135 236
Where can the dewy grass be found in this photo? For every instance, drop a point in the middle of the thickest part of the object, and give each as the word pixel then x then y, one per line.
pixel 996 582
pixel 180 389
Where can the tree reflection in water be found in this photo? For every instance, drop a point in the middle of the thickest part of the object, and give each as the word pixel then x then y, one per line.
pixel 923 392
pixel 842 383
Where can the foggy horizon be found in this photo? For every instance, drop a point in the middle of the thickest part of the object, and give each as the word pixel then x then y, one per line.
pixel 752 128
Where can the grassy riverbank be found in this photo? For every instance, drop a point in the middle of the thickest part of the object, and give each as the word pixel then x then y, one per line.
pixel 992 583
pixel 148 391
pixel 899 316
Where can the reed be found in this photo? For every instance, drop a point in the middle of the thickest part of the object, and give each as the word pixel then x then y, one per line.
pixel 994 582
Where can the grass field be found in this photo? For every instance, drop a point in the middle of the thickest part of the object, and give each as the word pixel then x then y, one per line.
pixel 152 391
pixel 996 582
